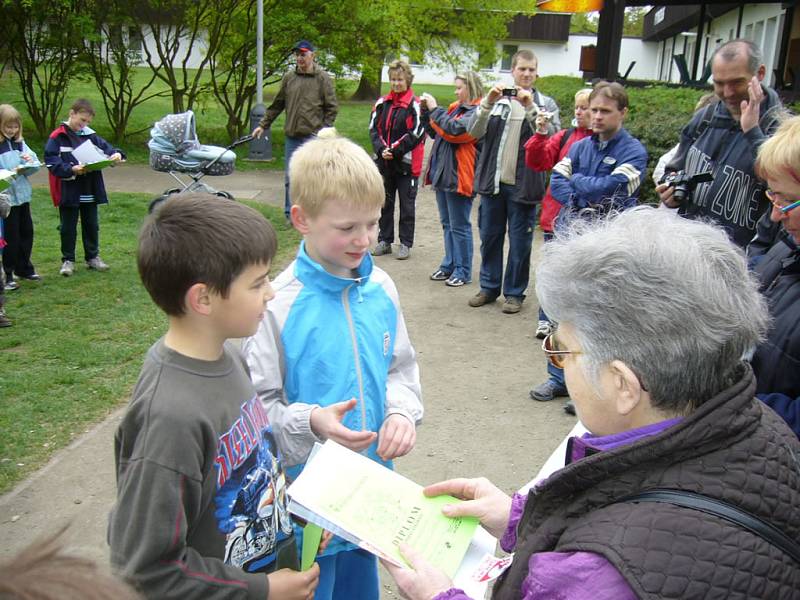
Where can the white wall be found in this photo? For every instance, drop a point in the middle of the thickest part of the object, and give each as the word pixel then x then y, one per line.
pixel 554 59
pixel 761 23
pixel 195 57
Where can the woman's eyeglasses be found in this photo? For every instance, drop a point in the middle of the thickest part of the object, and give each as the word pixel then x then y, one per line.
pixel 780 202
pixel 556 355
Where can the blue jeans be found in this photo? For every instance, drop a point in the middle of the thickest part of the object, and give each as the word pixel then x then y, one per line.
pixel 454 211
pixel 290 144
pixel 548 235
pixel 348 575
pixel 495 213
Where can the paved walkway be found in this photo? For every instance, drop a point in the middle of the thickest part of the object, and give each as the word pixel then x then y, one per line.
pixel 262 185
pixel 477 366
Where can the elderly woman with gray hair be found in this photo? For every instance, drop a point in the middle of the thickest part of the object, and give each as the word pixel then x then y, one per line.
pixel 686 485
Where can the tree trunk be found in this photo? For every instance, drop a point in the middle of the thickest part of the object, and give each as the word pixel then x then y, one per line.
pixel 369 87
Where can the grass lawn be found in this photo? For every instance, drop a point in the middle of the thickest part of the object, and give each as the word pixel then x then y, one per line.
pixel 352 120
pixel 77 343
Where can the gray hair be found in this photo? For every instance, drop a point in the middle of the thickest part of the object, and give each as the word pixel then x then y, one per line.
pixel 669 297
pixel 733 49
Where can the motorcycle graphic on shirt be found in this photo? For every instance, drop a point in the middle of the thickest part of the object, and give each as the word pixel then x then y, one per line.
pixel 251 491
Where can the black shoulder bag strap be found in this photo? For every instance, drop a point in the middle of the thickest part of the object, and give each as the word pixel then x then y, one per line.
pixel 564 139
pixel 723 510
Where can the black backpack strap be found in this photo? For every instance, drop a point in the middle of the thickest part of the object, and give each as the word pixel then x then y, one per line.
pixel 723 510
pixel 564 139
pixel 705 122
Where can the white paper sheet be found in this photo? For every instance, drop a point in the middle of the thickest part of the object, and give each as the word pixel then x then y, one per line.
pixel 87 153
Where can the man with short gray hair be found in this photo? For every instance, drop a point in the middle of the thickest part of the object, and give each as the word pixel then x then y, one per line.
pixel 724 139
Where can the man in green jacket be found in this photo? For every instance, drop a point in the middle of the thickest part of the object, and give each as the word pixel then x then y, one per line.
pixel 308 96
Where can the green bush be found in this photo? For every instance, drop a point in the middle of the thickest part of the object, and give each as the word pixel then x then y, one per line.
pixel 656 116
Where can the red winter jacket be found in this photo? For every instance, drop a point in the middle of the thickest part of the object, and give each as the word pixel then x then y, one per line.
pixel 542 153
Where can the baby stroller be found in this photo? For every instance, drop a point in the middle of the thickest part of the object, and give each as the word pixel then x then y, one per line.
pixel 174 148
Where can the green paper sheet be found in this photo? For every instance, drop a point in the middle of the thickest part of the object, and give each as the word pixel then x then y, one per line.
pixel 312 534
pixel 96 166
pixel 380 508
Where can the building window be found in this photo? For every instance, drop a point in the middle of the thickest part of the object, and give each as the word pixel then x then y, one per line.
pixel 135 40
pixel 508 52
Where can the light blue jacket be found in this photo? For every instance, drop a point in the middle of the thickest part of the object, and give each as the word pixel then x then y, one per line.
pixel 326 339
pixel 10 158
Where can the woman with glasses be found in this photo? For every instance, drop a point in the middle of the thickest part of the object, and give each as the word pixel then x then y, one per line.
pixel 777 360
pixel 686 486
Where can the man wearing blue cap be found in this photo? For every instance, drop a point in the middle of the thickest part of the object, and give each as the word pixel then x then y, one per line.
pixel 308 96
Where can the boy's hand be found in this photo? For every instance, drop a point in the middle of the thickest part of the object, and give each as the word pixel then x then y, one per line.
pixel 78 169
pixel 396 437
pixel 294 585
pixel 116 157
pixel 327 424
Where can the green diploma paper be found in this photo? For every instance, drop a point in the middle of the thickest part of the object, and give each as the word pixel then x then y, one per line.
pixel 379 509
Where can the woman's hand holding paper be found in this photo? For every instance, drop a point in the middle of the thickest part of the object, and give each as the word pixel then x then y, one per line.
pixel 421 581
pixel 482 500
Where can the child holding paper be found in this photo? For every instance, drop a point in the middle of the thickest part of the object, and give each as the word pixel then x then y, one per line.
pixel 75 190
pixel 331 358
pixel 200 509
pixel 17 157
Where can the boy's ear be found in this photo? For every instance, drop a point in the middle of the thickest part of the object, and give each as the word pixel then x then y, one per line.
pixel 198 299
pixel 299 219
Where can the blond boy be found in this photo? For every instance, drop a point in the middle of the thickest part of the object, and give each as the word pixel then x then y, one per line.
pixel 331 358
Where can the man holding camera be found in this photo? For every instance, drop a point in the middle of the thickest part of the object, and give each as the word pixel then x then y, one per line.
pixel 724 139
pixel 504 120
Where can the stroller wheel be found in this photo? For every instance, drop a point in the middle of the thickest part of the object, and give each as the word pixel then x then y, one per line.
pixel 224 195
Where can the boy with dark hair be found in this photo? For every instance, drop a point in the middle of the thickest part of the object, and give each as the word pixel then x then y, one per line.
pixel 200 509
pixel 76 191
pixel 332 358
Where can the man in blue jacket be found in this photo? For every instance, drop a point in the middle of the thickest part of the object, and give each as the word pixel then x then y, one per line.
pixel 599 173
pixel 604 171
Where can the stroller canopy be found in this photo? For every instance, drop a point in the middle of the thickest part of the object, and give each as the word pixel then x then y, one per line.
pixel 174 146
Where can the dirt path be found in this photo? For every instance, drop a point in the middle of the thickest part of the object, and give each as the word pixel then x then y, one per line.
pixel 477 367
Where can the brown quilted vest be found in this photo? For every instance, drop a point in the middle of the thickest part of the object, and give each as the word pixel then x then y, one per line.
pixel 732 448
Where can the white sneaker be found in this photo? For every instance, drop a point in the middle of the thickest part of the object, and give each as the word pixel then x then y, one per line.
pixel 67 268
pixel 544 329
pixel 97 264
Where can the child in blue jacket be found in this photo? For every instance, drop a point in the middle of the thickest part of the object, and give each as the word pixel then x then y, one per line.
pixel 75 191
pixel 331 358
pixel 16 156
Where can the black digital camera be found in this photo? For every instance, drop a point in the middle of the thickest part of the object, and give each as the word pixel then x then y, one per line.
pixel 512 92
pixel 684 184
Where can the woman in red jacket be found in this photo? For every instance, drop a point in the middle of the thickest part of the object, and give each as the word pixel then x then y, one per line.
pixel 541 154
pixel 397 136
